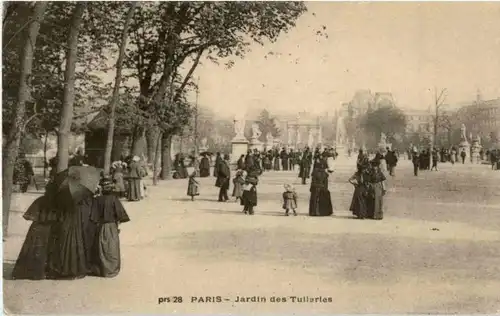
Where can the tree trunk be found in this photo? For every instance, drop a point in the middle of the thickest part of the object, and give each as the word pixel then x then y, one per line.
pixel 166 159
pixel 156 162
pixel 137 141
pixel 13 139
pixel 151 141
pixel 69 89
pixel 116 89
pixel 45 154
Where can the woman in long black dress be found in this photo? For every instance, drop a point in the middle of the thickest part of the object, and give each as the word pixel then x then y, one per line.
pixel 320 202
pixel 32 259
pixel 71 239
pixel 107 213
pixel 377 190
pixel 358 204
pixel 204 166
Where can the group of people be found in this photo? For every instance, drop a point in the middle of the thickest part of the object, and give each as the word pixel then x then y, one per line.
pixel 72 238
pixel 369 182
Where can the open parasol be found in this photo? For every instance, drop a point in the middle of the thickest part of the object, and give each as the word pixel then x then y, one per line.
pixel 76 182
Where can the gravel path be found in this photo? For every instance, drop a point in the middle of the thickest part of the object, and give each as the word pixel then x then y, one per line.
pixel 436 251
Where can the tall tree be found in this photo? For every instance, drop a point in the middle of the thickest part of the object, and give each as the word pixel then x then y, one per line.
pixel 267 124
pixel 69 88
pixel 116 89
pixel 12 141
pixel 388 120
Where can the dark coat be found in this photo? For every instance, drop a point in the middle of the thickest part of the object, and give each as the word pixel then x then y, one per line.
pixel 223 176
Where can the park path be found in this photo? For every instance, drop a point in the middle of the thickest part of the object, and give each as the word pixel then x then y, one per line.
pixel 419 259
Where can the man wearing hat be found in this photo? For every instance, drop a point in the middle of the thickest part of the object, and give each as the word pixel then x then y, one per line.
pixel 223 178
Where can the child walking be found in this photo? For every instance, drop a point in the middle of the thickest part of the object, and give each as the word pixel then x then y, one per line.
pixel 289 199
pixel 193 186
pixel 239 182
pixel 249 197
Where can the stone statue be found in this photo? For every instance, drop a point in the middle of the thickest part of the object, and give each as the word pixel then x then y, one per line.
pixel 256 131
pixel 479 139
pixel 310 141
pixel 320 135
pixel 204 142
pixel 341 131
pixel 463 133
pixel 383 138
pixel 239 127
pixel 269 138
pixel 290 136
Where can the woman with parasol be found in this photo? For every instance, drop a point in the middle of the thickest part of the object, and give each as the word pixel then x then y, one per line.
pixel 72 235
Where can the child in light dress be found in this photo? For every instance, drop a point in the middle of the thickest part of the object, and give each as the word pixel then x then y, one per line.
pixel 239 182
pixel 289 199
pixel 193 186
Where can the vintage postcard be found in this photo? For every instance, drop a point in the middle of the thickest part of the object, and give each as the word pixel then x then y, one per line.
pixel 251 157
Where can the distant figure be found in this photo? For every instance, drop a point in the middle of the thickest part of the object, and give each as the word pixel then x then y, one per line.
pixel 204 166
pixel 193 186
pixel 218 160
pixel 23 173
pixel 249 197
pixel 289 200
pixel 241 163
pixel 415 159
pixel 238 183
pixel 134 179
pixel 376 192
pixel 223 178
pixel 320 202
pixel 360 182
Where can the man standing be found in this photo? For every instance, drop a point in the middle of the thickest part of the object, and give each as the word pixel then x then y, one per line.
pixel 435 159
pixel 463 155
pixel 416 162
pixel 391 160
pixel 223 178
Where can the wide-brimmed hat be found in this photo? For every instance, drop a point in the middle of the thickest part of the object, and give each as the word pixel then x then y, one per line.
pixel 136 158
pixel 288 187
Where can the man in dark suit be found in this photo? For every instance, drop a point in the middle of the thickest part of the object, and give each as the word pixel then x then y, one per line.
pixel 223 179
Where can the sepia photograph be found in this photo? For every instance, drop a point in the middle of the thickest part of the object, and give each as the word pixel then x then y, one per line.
pixel 250 157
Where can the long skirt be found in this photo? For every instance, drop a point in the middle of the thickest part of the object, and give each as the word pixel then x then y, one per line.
pixel 193 189
pixel 134 189
pixel 276 164
pixel 375 202
pixel 106 260
pixel 284 163
pixel 32 259
pixel 67 254
pixel 320 203
pixel 204 172
pixel 358 204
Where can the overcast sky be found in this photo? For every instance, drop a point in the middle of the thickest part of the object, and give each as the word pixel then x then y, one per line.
pixel 403 48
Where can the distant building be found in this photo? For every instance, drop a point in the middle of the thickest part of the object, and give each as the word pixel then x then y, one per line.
pixel 481 117
pixel 419 121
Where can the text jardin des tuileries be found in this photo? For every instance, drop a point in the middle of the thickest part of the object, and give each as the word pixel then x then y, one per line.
pixel 247 299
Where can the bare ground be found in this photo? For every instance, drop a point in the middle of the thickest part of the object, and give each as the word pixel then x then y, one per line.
pixel 436 251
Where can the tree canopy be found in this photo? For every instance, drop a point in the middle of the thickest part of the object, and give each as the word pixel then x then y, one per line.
pixel 388 120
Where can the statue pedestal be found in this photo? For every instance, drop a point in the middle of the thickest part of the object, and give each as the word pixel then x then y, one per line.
pixel 239 146
pixel 342 151
pixel 464 146
pixel 256 144
pixel 475 156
